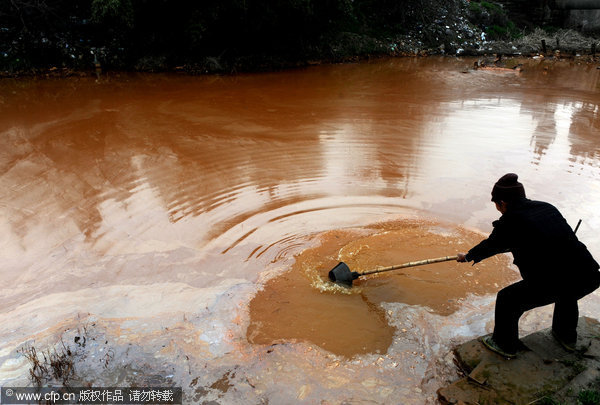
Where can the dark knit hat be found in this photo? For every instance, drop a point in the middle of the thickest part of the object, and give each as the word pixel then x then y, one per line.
pixel 508 189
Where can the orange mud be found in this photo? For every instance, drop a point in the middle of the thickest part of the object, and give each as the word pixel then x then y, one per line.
pixel 302 304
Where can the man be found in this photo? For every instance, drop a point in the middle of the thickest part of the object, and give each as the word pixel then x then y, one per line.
pixel 555 266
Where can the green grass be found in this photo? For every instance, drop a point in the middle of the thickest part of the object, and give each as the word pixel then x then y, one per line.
pixel 588 397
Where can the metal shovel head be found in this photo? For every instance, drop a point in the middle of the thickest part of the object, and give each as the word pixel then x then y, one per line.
pixel 342 274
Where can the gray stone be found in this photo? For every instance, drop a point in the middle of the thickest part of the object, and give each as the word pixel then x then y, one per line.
pixel 544 370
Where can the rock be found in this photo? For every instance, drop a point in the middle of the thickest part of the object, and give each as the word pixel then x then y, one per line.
pixel 542 369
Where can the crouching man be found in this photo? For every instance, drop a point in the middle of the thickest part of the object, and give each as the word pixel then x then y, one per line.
pixel 555 266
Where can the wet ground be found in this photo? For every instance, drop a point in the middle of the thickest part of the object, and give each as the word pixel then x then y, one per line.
pixel 184 226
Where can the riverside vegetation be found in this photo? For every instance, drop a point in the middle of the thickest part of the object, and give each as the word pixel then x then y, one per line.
pixel 225 36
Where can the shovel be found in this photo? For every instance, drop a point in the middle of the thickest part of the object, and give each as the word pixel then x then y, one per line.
pixel 342 273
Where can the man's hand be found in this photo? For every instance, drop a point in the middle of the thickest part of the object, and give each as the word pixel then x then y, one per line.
pixel 461 257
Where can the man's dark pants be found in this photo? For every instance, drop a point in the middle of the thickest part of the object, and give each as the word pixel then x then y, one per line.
pixel 514 300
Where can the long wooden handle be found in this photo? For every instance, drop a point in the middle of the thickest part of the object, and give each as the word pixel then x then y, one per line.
pixel 410 264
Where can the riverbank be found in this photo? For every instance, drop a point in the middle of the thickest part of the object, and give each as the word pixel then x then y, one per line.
pixel 461 40
pixel 544 373
pixel 234 38
pixel 349 48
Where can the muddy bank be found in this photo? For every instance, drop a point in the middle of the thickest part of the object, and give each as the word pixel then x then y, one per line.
pixel 542 373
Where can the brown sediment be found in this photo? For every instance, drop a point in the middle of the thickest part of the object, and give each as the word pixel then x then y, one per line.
pixel 303 305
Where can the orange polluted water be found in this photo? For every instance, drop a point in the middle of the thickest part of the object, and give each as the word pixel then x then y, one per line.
pixel 188 223
pixel 302 304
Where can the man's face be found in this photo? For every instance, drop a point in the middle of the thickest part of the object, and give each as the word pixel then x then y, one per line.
pixel 500 206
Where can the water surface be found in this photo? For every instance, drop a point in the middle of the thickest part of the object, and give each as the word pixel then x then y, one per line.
pixel 186 225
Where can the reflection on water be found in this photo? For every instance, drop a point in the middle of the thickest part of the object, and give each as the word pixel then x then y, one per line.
pixel 156 207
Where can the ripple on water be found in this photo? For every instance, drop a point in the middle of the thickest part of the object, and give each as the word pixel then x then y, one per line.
pixel 303 305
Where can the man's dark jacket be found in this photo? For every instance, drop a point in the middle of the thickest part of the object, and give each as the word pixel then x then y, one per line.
pixel 544 247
